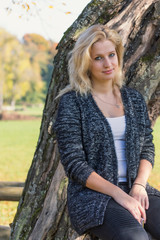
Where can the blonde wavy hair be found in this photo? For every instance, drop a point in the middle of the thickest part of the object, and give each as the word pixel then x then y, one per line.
pixel 80 58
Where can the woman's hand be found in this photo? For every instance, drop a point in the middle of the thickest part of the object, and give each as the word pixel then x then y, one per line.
pixel 132 205
pixel 99 184
pixel 139 193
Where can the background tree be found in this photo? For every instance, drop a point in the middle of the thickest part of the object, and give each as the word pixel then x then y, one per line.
pixel 25 68
pixel 42 210
pixel 19 73
pixel 41 51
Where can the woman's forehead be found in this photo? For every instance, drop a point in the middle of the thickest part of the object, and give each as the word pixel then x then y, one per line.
pixel 103 46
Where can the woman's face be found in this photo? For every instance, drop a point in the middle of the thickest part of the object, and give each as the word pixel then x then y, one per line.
pixel 104 61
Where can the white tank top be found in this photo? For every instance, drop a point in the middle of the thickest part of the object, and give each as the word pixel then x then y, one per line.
pixel 118 126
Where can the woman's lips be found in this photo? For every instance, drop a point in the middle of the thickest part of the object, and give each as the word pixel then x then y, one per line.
pixel 108 71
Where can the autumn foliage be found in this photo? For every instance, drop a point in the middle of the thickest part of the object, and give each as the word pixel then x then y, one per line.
pixel 25 68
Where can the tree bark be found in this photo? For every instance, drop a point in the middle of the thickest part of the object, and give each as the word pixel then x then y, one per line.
pixel 42 212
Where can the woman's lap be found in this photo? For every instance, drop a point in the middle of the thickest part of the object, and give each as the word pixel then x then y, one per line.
pixel 119 224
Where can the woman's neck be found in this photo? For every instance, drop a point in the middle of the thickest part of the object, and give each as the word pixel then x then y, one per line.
pixel 103 89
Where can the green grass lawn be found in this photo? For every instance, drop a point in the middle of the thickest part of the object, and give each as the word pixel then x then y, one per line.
pixel 18 140
pixel 155 175
pixel 30 110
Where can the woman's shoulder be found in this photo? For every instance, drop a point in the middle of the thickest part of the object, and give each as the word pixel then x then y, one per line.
pixel 68 109
pixel 73 97
pixel 69 94
pixel 67 98
pixel 71 101
pixel 133 93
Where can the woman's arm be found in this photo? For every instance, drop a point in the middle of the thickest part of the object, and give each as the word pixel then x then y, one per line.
pixel 69 137
pixel 146 161
pixel 138 189
pixel 144 170
pixel 98 183
pixel 148 151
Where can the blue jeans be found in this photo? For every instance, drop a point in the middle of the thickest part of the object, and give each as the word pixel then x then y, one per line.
pixel 119 223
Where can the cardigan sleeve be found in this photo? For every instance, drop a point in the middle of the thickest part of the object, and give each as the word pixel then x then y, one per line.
pixel 70 141
pixel 148 152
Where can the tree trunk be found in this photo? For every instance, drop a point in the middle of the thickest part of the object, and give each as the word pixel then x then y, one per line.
pixel 42 212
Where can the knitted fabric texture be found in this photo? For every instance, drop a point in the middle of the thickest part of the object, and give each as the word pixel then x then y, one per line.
pixel 86 144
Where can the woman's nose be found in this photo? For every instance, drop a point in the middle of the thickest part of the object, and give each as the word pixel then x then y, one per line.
pixel 107 62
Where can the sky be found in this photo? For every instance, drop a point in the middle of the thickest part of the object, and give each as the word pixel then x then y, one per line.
pixel 49 18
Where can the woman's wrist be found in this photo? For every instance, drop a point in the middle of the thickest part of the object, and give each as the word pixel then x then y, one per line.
pixel 139 184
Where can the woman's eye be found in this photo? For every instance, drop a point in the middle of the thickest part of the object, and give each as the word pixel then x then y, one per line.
pixel 112 54
pixel 98 58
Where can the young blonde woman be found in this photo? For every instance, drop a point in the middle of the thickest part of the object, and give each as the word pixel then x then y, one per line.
pixel 105 143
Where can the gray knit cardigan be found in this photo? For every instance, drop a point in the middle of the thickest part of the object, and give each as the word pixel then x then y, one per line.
pixel 86 144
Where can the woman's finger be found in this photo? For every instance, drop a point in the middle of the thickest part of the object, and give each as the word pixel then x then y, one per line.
pixel 143 213
pixel 143 203
pixel 146 203
pixel 137 215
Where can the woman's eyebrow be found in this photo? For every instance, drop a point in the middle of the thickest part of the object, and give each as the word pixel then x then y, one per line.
pixel 104 53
